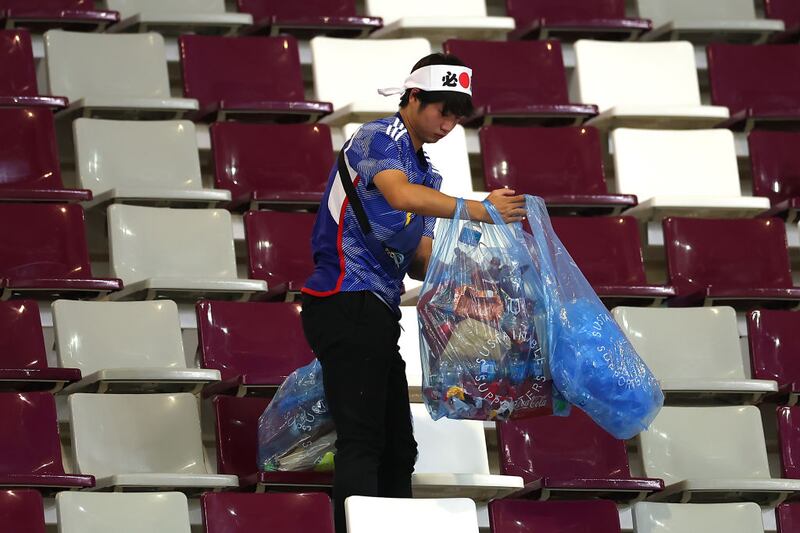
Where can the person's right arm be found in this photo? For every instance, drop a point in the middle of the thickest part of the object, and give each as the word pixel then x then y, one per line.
pixel 421 200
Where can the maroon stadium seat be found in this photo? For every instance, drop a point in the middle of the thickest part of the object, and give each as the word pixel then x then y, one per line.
pixel 775 165
pixel 288 513
pixel 334 18
pixel 21 511
pixel 522 516
pixel 787 517
pixel 42 15
pixel 774 340
pixel 789 12
pixel 18 73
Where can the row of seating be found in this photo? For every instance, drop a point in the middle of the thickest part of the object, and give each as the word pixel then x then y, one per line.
pixel 260 77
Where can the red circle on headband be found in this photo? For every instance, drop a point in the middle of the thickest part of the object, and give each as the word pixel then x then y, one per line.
pixel 463 79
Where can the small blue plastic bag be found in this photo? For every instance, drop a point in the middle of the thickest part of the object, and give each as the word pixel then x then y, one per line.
pixel 296 432
pixel 592 363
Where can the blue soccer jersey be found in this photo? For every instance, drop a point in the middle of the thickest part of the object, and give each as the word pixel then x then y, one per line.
pixel 342 261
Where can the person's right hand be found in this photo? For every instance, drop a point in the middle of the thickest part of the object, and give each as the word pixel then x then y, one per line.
pixel 510 207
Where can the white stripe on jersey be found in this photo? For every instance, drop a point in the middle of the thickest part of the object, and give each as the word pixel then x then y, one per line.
pixel 337 195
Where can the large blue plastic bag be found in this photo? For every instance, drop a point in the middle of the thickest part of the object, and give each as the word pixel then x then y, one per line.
pixel 296 430
pixel 592 363
pixel 480 318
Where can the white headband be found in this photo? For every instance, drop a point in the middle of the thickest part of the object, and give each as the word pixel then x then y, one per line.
pixel 436 78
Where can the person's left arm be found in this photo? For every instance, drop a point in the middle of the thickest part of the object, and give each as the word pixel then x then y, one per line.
pixel 419 264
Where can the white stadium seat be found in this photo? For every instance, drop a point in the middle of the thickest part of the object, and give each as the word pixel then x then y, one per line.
pixel 402 515
pixel 150 162
pixel 125 347
pixel 83 512
pixel 651 517
pixel 177 16
pixel 409 349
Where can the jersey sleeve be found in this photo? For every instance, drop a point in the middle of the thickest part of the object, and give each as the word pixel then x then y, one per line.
pixel 373 151
pixel 430 222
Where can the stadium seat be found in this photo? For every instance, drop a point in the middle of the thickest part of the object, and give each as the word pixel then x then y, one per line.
pixel 787 517
pixel 348 73
pixel 410 351
pixel 111 76
pixel 774 344
pixel 649 517
pixel 288 513
pixel 125 347
pixel 521 83
pixel 711 454
pixel 440 20
pixel 46 255
pixel 23 358
pixel 121 439
pixel 564 166
pixel 569 458
pixel 608 250
pixel 519 516
pixel 246 78
pixel 789 441
pixel 743 263
pixel 681 173
pixel 453 460
pixel 237 449
pixel 29 167
pixel 272 164
pixel 177 16
pixel 21 511
pixel 254 345
pixel 279 250
pixel 569 20
pixel 642 85
pixel 334 18
pixel 32 458
pixel 83 512
pixel 694 353
pixel 40 15
pixel 141 162
pixel 401 515
pixel 789 12
pixel 18 73
pixel 706 22
pixel 175 253
pixel 775 166
pixel 756 83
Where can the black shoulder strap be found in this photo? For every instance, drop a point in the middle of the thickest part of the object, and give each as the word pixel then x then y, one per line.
pixel 352 196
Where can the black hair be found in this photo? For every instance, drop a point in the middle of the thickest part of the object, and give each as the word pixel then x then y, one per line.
pixel 455 103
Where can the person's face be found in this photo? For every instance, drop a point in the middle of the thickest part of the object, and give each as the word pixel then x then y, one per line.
pixel 430 123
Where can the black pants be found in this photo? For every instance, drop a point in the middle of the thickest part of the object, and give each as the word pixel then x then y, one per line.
pixel 354 336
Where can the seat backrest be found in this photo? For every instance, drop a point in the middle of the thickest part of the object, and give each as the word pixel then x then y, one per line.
pixel 749 76
pixel 650 517
pixel 572 447
pixel 543 161
pixel 521 516
pixel 786 10
pixel 435 439
pixel 691 343
pixel 775 164
pixel 787 516
pixel 22 511
pixel 48 4
pixel 400 515
pixel 789 441
pixel 774 340
pixel 450 158
pixel 48 241
pixel 261 9
pixel 279 246
pixel 527 11
pixel 513 72
pixel 409 345
pixel 17 68
pixel 245 68
pixel 28 151
pixel 21 339
pixel 81 65
pixel 127 434
pixel 390 10
pixel 276 158
pixel 729 253
pixel 351 70
pixel 680 163
pixel 705 443
pixel 136 154
pixel 611 74
pixel 288 513
pixel 608 250
pixel 35 447
pixel 237 433
pixel 128 8
pixel 147 242
pixel 94 336
pixel 240 337
pixel 93 512
pixel 664 11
